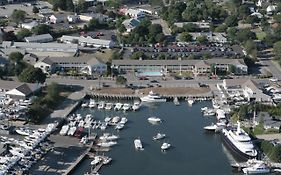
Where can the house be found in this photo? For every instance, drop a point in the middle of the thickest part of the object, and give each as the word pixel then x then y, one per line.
pixel 86 17
pixel 30 58
pixel 57 18
pixel 29 25
pixel 270 9
pixel 44 38
pixel 268 121
pixel 130 24
pixel 211 36
pixel 200 25
pixel 40 47
pixel 86 65
pixel 87 41
pixel 201 68
pixel 135 13
pixel 73 18
pixel 257 14
pixel 46 12
pixel 18 90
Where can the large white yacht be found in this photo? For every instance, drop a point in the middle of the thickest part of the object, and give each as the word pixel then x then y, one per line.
pixel 153 97
pixel 239 142
pixel 258 168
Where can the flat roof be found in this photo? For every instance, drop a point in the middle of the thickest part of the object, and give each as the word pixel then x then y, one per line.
pixel 8 44
pixel 39 37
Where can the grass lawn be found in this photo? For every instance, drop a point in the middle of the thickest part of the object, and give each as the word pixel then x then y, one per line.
pixel 260 35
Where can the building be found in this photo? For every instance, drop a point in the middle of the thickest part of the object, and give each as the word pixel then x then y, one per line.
pixel 46 12
pixel 271 9
pixel 86 17
pixel 40 47
pixel 130 24
pixel 29 25
pixel 44 38
pixel 57 18
pixel 200 25
pixel 211 36
pixel 197 67
pixel 85 65
pixel 30 59
pixel 87 41
pixel 18 90
pixel 246 87
pixel 135 13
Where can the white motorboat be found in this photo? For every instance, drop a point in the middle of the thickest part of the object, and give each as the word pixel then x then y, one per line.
pixel 124 120
pixel 107 144
pixel 165 146
pixel 126 107
pixel 204 109
pixel 101 105
pixel 239 141
pixel 138 144
pixel 107 119
pixel 64 130
pixel 119 126
pixel 106 160
pixel 209 112
pixel 107 136
pixel 136 106
pixel 23 131
pixel 176 101
pixel 96 160
pixel 215 127
pixel 154 120
pixel 190 101
pixel 103 126
pixel 114 120
pixel 258 168
pixel 153 97
pixel 215 104
pixel 118 106
pixel 92 103
pixel 84 140
pixel 159 136
pixel 109 106
pixel 84 105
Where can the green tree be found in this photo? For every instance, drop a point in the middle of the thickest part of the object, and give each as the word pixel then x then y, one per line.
pixel 231 21
pixel 94 24
pixel 245 34
pixel 231 69
pixel 41 29
pixel 35 10
pixel 277 50
pixel 32 75
pixel 244 11
pixel 154 29
pixel 16 57
pixel 221 28
pixel 138 55
pixel 160 38
pixel 23 33
pixel 202 39
pixel 277 18
pixel 190 27
pixel 251 48
pixel 18 16
pixel 121 80
pixel 213 69
pixel 186 37
pixel 53 91
pixel 275 154
pixel 231 34
pixel 122 29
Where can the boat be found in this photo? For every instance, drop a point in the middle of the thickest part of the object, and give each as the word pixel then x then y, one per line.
pixel 258 168
pixel 64 130
pixel 153 97
pixel 114 120
pixel 138 144
pixel 176 101
pixel 190 101
pixel 154 120
pixel 107 144
pixel 107 119
pixel 215 104
pixel 96 160
pixel 126 107
pixel 101 105
pixel 159 136
pixel 84 105
pixel 209 112
pixel 107 136
pixel 106 160
pixel 84 140
pixel 23 131
pixel 118 106
pixel 71 131
pixel 204 109
pixel 108 106
pixel 136 106
pixel 119 126
pixel 103 125
pixel 165 146
pixel 124 120
pixel 215 127
pixel 239 142
pixel 92 103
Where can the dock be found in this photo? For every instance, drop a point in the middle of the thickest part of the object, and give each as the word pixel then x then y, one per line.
pixel 78 160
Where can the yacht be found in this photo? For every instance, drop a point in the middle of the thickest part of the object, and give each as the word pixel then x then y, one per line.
pixel 239 142
pixel 101 105
pixel 258 168
pixel 153 97
pixel 23 131
pixel 107 119
pixel 119 126
pixel 190 101
pixel 136 106
pixel 64 130
pixel 159 136
pixel 176 101
pixel 138 144
pixel 107 144
pixel 84 105
pixel 92 103
pixel 118 106
pixel 124 120
pixel 126 107
pixel 109 106
pixel 165 146
pixel 96 160
pixel 215 127
pixel 71 131
pixel 154 120
pixel 107 136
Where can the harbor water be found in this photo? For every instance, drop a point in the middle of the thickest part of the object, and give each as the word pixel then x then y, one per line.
pixel 193 150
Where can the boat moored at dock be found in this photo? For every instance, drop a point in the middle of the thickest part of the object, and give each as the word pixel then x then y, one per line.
pixel 153 97
pixel 138 144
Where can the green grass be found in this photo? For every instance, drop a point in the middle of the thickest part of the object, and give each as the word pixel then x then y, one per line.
pixel 261 35
pixel 258 130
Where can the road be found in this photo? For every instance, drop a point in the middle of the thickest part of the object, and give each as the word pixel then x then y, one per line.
pixel 165 27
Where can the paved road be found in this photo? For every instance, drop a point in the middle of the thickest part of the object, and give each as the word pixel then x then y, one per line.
pixel 165 27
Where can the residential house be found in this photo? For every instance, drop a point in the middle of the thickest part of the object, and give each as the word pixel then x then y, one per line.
pixel 87 41
pixel 86 65
pixel 135 13
pixel 40 47
pixel 211 36
pixel 86 17
pixel 30 58
pixel 201 68
pixel 200 25
pixel 130 24
pixel 57 18
pixel 267 121
pixel 44 38
pixel 29 25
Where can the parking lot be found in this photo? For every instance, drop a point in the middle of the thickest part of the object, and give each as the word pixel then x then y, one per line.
pixel 185 50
